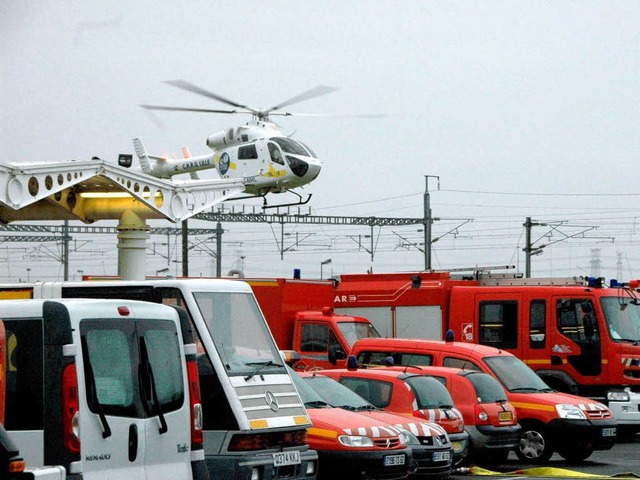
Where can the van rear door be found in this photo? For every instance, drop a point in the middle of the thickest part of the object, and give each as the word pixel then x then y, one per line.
pixel 112 432
pixel 167 426
pixel 139 377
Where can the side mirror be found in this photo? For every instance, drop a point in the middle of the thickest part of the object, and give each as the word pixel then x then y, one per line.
pixel 335 354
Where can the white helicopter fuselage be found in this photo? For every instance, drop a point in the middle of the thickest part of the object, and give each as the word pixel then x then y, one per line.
pixel 266 160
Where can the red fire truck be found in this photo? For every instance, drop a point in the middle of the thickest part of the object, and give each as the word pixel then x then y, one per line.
pixel 579 335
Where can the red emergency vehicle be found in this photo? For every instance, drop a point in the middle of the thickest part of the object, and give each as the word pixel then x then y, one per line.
pixel 351 445
pixel 579 335
pixel 551 421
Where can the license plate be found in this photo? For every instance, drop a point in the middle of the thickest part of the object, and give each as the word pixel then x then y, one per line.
pixel 282 459
pixel 441 456
pixel 505 416
pixel 391 460
pixel 609 432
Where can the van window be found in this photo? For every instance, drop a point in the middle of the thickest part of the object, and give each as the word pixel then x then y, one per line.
pixel 163 348
pixel 241 345
pixel 462 363
pixel 112 363
pixel 499 323
pixel 110 359
pixel 24 388
pixel 537 323
pixel 377 358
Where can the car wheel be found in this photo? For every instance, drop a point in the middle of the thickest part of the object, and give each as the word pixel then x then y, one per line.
pixel 535 445
pixel 576 453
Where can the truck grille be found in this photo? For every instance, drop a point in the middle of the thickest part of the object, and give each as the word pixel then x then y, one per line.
pixel 273 400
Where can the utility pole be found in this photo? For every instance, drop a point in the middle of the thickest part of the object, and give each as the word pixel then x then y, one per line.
pixel 185 248
pixel 529 249
pixel 428 221
pixel 219 232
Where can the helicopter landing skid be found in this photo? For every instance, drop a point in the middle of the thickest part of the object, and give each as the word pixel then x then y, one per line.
pixel 265 204
pixel 292 204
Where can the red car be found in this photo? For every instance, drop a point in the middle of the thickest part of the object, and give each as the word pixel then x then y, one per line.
pixel 411 395
pixel 351 445
pixel 489 418
pixel 431 447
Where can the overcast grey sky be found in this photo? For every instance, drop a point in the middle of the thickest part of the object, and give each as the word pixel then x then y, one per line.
pixel 521 108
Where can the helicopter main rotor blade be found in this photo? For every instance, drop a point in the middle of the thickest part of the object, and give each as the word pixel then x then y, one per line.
pixel 330 115
pixel 186 109
pixel 309 94
pixel 190 87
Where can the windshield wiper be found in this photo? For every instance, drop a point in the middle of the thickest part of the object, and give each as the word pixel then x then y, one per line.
pixel 316 404
pixel 367 408
pixel 148 381
pixel 260 366
pixel 630 340
pixel 93 390
pixel 524 389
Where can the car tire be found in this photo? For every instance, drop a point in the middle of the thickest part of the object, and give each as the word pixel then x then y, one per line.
pixel 535 444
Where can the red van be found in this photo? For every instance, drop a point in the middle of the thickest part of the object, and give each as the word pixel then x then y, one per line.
pixel 351 445
pixel 410 395
pixel 551 421
pixel 430 446
pixel 489 418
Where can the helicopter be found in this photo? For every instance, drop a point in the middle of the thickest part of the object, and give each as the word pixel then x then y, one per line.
pixel 264 158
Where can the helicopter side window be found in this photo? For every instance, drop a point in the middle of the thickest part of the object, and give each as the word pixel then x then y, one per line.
pixel 276 155
pixel 247 152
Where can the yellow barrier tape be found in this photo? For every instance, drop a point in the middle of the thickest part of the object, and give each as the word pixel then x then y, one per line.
pixel 548 472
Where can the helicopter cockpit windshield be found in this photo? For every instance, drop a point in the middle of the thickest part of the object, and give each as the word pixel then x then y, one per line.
pixel 291 146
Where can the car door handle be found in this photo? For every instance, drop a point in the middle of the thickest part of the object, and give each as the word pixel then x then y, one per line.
pixel 133 442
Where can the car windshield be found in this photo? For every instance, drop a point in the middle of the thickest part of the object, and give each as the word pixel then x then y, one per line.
pixel 239 332
pixel 429 392
pixel 488 389
pixel 336 394
pixel 353 331
pixel 290 146
pixel 623 319
pixel 514 375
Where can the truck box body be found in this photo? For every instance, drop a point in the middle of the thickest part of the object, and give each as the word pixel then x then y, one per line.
pixel 580 337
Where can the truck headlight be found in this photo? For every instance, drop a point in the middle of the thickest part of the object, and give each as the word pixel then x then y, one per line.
pixel 355 441
pixel 570 411
pixel 618 396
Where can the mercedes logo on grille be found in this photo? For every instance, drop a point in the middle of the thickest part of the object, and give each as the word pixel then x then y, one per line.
pixel 272 401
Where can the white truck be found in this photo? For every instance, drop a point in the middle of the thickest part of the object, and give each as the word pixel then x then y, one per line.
pixel 254 422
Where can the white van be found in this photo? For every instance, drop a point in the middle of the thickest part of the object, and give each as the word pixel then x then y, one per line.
pixel 102 388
